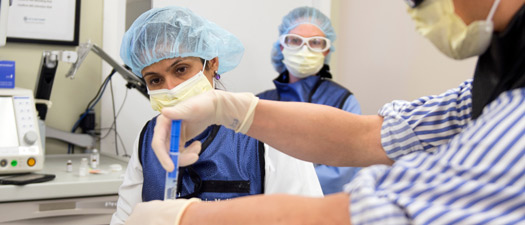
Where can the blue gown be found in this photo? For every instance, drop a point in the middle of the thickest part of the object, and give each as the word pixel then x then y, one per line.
pixel 319 89
pixel 230 165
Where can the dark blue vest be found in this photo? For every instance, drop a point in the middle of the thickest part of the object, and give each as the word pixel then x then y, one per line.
pixel 319 89
pixel 314 89
pixel 230 165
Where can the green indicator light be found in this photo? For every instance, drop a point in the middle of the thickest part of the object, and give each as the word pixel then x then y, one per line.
pixel 14 163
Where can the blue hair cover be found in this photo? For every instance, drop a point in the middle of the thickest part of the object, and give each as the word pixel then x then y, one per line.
pixel 170 32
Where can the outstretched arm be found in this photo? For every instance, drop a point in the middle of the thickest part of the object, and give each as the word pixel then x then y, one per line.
pixel 312 132
pixel 271 209
pixel 320 134
pixel 255 209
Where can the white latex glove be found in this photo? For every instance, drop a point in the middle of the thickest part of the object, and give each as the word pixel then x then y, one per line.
pixel 190 154
pixel 232 110
pixel 159 212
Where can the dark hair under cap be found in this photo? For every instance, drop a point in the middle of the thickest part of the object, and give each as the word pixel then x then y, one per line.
pixel 413 3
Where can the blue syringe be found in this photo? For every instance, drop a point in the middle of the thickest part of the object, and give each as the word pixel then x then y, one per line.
pixel 170 188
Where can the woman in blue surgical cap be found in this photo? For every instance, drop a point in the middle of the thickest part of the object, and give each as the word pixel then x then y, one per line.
pixel 301 56
pixel 180 54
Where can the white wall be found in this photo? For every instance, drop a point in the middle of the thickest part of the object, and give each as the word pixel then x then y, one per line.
pixel 135 111
pixel 255 23
pixel 380 56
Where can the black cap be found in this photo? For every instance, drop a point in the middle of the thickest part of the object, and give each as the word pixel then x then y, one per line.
pixel 413 3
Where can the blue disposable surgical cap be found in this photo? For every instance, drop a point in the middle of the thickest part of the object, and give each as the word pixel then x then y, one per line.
pixel 170 32
pixel 294 18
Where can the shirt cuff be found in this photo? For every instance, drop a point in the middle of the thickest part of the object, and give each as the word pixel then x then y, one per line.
pixel 397 137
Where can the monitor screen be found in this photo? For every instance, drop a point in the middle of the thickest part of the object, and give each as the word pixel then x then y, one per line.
pixel 8 131
pixel 4 8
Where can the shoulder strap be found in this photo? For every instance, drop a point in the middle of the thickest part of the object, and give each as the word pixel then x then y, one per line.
pixel 262 164
pixel 314 89
pixel 209 139
pixel 347 95
pixel 141 141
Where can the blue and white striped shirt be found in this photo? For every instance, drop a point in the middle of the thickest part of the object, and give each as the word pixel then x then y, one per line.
pixel 448 169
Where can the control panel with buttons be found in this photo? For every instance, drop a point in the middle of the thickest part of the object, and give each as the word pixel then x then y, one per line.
pixel 20 146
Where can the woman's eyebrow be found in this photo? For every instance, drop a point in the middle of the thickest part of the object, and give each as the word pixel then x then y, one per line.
pixel 148 74
pixel 173 64
pixel 167 69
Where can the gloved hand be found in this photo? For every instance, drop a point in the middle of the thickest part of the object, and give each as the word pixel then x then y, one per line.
pixel 159 212
pixel 190 154
pixel 232 110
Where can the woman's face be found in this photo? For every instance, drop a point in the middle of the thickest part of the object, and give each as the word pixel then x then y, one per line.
pixel 168 73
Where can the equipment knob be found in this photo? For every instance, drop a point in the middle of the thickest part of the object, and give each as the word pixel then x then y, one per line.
pixel 30 137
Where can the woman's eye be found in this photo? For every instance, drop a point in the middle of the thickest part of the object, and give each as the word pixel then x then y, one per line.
pixel 180 70
pixel 154 81
pixel 296 41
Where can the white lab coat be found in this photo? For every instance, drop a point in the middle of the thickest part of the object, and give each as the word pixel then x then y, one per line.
pixel 283 174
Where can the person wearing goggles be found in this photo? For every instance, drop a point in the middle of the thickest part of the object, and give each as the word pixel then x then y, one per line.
pixel 452 158
pixel 301 56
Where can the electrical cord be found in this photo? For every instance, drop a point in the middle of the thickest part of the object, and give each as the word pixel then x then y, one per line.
pixel 115 121
pixel 118 113
pixel 114 115
pixel 113 125
pixel 123 146
pixel 95 100
pixel 90 106
pixel 101 89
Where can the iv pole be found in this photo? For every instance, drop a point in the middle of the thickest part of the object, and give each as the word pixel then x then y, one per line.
pixel 133 80
pixel 44 85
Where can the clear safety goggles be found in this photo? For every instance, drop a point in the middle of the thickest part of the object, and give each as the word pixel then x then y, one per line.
pixel 295 42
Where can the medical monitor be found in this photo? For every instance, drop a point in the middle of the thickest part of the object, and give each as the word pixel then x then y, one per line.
pixel 20 143
pixel 4 8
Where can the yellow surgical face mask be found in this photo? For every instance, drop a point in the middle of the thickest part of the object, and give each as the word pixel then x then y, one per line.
pixel 303 62
pixel 437 21
pixel 169 97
